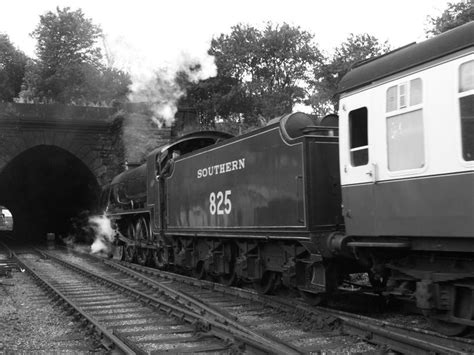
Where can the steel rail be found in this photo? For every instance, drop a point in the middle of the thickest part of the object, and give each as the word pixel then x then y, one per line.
pixel 9 251
pixel 223 331
pixel 378 332
pixel 108 338
pixel 188 301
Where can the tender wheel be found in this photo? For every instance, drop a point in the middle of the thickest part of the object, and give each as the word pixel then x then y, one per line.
pixel 142 235
pixel 266 284
pixel 199 271
pixel 229 279
pixel 313 299
pixel 130 251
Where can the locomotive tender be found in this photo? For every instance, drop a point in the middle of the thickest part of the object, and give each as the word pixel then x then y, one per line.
pixel 304 203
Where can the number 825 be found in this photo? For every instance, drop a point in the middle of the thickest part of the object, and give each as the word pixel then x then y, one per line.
pixel 219 203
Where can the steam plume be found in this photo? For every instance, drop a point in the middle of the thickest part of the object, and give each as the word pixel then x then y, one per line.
pixel 104 234
pixel 159 88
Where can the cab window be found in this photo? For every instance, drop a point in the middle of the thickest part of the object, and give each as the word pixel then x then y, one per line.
pixel 466 109
pixel 358 136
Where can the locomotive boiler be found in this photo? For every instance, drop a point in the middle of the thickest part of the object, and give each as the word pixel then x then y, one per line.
pixel 387 189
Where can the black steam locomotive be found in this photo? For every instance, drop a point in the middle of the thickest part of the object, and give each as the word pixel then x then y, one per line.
pixel 387 189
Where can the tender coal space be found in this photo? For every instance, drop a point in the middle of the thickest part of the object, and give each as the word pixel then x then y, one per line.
pixel 44 187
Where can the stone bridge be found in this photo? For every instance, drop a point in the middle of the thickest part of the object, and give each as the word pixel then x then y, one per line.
pixel 55 158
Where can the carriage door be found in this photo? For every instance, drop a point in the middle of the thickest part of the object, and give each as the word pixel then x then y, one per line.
pixel 357 172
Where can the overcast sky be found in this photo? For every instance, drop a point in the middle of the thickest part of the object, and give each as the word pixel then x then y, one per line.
pixel 143 35
pixel 163 29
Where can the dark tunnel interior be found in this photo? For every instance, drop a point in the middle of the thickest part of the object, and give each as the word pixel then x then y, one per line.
pixel 44 187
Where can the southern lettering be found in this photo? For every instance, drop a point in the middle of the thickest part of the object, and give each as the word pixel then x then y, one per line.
pixel 221 168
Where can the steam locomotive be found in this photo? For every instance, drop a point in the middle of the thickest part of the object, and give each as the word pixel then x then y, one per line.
pixel 386 188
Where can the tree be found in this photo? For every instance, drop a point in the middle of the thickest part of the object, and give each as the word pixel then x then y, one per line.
pixel 455 15
pixel 330 71
pixel 69 68
pixel 260 73
pixel 12 69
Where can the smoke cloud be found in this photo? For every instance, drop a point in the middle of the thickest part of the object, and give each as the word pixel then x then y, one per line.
pixel 153 71
pixel 104 234
pixel 158 86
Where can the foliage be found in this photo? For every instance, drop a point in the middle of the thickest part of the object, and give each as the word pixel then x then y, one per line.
pixel 12 69
pixel 259 74
pixel 69 68
pixel 330 71
pixel 456 14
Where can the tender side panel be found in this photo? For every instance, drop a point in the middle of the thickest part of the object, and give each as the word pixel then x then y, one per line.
pixel 253 182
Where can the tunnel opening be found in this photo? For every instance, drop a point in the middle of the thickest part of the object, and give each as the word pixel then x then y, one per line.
pixel 45 187
pixel 6 219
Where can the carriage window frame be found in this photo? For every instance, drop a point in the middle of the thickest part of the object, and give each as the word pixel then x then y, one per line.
pixel 359 136
pixel 407 95
pixel 404 111
pixel 466 91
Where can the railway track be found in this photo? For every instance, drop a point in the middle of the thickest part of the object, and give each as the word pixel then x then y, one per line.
pixel 137 309
pixel 254 310
pixel 274 331
pixel 136 319
pixel 31 322
pixel 7 262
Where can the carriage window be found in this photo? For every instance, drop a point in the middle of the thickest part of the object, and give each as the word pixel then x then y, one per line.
pixel 405 141
pixel 404 95
pixel 405 137
pixel 392 94
pixel 415 92
pixel 358 133
pixel 466 108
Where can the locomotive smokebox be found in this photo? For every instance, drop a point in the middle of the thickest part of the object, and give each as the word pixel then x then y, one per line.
pixel 129 188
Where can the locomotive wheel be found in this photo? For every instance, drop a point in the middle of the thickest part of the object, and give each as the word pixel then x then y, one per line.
pixel 267 283
pixel 142 235
pixel 158 258
pixel 130 251
pixel 119 253
pixel 313 299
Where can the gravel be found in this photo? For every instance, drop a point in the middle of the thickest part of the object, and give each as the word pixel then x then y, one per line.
pixel 30 324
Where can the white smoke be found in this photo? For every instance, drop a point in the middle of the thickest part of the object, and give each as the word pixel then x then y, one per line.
pixel 153 71
pixel 104 234
pixel 157 86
